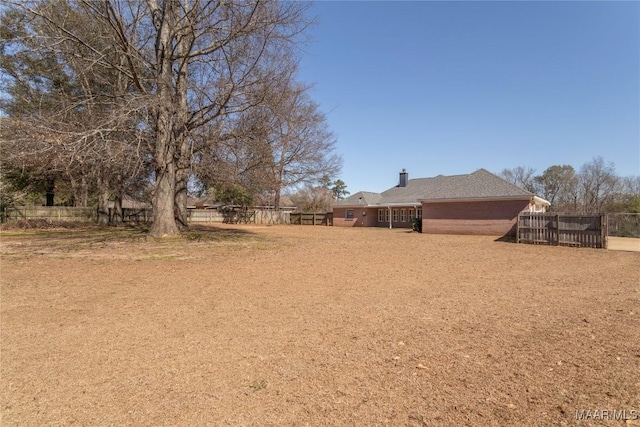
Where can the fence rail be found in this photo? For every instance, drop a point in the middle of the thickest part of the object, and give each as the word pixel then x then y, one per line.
pixel 588 231
pixel 50 214
pixel 204 215
pixel 312 218
pixel 53 214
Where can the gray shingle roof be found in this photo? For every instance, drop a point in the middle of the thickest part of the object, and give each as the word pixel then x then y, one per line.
pixel 363 198
pixel 480 184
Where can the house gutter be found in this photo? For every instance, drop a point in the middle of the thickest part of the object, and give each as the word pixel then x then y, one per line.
pixel 481 199
pixel 541 201
pixel 379 206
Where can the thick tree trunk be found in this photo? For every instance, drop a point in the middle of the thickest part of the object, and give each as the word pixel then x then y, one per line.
pixel 117 210
pixel 164 221
pixel 180 127
pixel 276 200
pixel 50 187
pixel 84 192
pixel 103 204
pixel 181 198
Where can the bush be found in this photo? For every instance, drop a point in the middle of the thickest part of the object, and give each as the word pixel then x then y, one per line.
pixel 416 224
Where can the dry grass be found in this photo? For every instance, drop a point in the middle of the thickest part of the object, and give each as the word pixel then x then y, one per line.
pixel 312 326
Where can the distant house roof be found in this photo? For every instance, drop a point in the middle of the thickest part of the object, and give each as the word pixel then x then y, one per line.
pixel 480 184
pixel 129 203
pixel 204 202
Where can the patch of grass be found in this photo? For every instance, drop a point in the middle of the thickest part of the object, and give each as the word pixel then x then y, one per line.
pixel 258 385
pixel 87 240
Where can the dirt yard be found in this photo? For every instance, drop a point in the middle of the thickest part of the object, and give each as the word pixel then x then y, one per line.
pixel 301 325
pixel 623 244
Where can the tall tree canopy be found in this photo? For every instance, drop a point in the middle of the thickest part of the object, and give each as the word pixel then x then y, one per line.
pixel 157 78
pixel 594 187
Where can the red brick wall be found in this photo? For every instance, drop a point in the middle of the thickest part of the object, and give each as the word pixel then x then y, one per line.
pixel 359 220
pixel 487 218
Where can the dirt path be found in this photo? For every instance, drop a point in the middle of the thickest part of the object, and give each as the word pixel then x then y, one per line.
pixel 314 326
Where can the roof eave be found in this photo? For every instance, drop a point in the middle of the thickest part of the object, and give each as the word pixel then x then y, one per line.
pixel 478 199
pixel 541 201
pixel 379 205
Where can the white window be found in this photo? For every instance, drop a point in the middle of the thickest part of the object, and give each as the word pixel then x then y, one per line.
pixel 403 215
pixel 395 215
pixel 380 215
pixel 411 211
pixel 419 212
pixel 386 215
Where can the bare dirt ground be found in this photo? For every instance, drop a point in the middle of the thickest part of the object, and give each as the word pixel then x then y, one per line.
pixel 623 244
pixel 313 326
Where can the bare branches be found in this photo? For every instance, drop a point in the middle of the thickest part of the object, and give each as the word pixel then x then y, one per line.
pixel 170 70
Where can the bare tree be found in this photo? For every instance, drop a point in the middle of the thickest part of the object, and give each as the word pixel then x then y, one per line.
pixel 66 118
pixel 598 184
pixel 313 199
pixel 523 177
pixel 281 142
pixel 301 147
pixel 188 63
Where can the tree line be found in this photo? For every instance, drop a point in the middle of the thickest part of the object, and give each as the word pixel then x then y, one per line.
pixel 593 188
pixel 154 99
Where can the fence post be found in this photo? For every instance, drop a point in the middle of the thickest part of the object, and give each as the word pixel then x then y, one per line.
pixel 557 229
pixel 518 228
pixel 604 232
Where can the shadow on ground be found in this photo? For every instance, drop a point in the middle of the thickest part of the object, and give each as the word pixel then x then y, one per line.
pixel 75 237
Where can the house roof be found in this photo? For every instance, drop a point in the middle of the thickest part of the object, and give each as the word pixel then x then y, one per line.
pixel 480 184
pixel 361 198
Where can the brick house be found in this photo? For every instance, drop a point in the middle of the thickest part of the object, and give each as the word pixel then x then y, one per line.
pixel 475 203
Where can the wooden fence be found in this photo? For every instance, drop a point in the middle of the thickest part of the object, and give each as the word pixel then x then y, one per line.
pixel 270 217
pixel 50 214
pixel 204 215
pixel 132 215
pixel 586 231
pixel 312 218
pixel 54 214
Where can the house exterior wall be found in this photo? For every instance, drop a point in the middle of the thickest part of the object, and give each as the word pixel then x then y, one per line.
pixel 359 220
pixel 484 218
pixel 401 219
pixel 371 219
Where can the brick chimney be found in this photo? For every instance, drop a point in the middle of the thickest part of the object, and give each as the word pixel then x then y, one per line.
pixel 404 178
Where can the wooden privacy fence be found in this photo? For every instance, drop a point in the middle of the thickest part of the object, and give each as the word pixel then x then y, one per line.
pixel 270 216
pixel 586 231
pixel 136 215
pixel 238 216
pixel 204 215
pixel 312 218
pixel 50 214
pixel 55 214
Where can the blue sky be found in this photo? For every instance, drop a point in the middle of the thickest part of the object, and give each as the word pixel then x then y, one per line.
pixel 451 87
